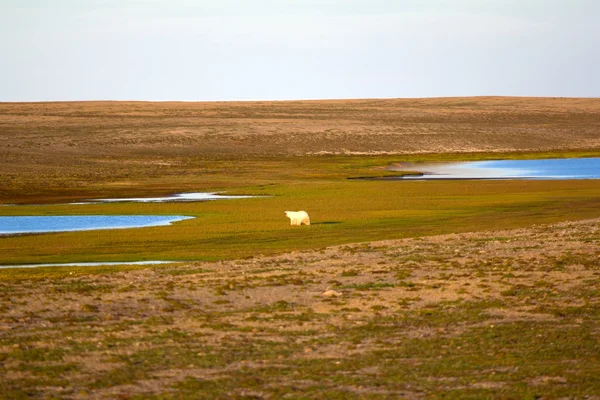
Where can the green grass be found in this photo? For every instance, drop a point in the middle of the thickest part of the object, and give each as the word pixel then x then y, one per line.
pixel 341 210
pixel 165 334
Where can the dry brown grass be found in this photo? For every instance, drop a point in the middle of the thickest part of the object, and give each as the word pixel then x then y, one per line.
pixel 511 314
pixel 439 125
pixel 47 147
pixel 507 314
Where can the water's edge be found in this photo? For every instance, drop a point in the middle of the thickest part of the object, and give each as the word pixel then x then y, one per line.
pixel 543 169
pixel 15 225
pixel 178 197
pixel 89 264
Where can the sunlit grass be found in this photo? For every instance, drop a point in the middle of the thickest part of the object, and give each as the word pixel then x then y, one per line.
pixel 341 211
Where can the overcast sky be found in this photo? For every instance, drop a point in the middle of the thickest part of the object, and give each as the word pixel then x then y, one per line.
pixel 296 49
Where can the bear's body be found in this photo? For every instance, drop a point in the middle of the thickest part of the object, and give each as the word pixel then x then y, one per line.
pixel 298 217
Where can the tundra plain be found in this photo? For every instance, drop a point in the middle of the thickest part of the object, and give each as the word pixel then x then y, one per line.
pixel 464 289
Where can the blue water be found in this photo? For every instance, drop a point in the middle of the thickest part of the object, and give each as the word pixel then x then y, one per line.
pixel 179 197
pixel 88 264
pixel 564 168
pixel 41 224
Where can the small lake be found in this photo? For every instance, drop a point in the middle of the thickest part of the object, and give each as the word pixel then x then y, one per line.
pixel 561 168
pixel 43 224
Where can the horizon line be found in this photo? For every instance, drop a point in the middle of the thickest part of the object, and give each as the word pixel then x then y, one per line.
pixel 292 100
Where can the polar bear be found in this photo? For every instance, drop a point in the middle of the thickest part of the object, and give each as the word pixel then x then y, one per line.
pixel 298 217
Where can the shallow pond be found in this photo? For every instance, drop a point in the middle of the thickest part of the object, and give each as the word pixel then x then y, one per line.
pixel 88 264
pixel 43 224
pixel 563 168
pixel 180 197
pixel 13 225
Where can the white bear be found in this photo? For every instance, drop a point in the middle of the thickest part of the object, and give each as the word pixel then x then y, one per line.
pixel 298 217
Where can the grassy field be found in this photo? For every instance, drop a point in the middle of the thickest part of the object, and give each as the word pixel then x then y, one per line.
pixel 342 211
pixel 504 314
pixel 50 150
pixel 504 304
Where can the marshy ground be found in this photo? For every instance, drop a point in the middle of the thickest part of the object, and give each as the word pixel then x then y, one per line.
pixel 480 289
